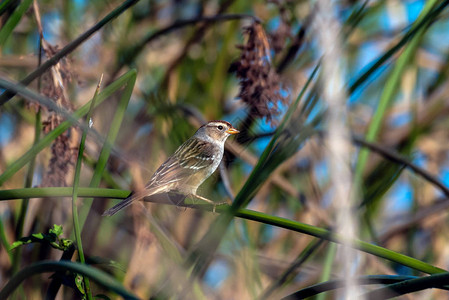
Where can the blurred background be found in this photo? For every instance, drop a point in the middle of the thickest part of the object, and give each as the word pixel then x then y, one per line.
pixel 245 62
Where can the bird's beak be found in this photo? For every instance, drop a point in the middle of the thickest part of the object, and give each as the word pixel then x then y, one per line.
pixel 232 131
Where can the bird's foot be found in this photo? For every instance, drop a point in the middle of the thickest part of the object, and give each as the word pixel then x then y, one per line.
pixel 209 201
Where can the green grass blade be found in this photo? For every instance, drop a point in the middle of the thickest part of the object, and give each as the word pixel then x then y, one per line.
pixel 95 275
pixel 76 181
pixel 320 288
pixel 426 20
pixel 61 192
pixel 389 93
pixel 409 286
pixel 327 267
pixel 25 201
pixel 326 234
pixel 241 213
pixel 116 122
pixel 13 20
pixel 4 241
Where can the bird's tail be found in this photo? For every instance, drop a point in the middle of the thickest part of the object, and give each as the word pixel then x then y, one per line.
pixel 125 203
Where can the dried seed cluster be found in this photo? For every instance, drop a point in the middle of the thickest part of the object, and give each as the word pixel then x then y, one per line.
pixel 63 156
pixel 260 85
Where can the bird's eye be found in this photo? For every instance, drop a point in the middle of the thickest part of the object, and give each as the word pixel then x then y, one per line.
pixel 220 127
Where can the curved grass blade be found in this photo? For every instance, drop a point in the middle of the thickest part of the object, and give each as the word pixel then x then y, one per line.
pixel 76 181
pixel 328 235
pixel 95 275
pixel 61 192
pixel 426 20
pixel 409 286
pixel 330 285
pixel 241 213
pixel 24 205
pixel 390 91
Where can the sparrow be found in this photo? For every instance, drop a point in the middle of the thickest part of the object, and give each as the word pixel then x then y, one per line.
pixel 192 163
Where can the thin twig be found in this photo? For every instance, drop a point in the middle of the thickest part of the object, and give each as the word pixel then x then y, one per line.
pixel 392 156
pixel 136 49
pixel 196 37
pixel 437 207
pixel 399 159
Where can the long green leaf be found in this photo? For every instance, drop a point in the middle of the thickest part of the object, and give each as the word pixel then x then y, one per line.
pixel 390 91
pixel 76 181
pixel 409 286
pixel 96 275
pixel 320 288
pixel 241 213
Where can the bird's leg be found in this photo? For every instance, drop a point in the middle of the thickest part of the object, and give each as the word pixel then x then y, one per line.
pixel 208 201
pixel 202 198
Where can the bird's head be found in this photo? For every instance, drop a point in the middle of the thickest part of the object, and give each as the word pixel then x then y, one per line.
pixel 217 131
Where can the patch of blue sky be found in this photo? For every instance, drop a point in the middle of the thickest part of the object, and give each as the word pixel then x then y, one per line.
pixel 6 128
pixel 397 16
pixel 217 273
pixel 367 53
pixel 436 37
pixel 321 170
pixel 268 233
pixel 236 117
pixel 403 270
pixel 88 50
pixel 420 159
pixel 400 119
pixel 144 130
pixel 444 177
pixel 414 8
pixel 81 4
pixel 326 199
pixel 261 126
pixel 273 23
pixel 261 144
pixel 383 20
pixel 425 79
pixel 246 168
pixel 400 197
pixel 51 23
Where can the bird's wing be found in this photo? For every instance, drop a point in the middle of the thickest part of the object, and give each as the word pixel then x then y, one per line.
pixel 191 157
